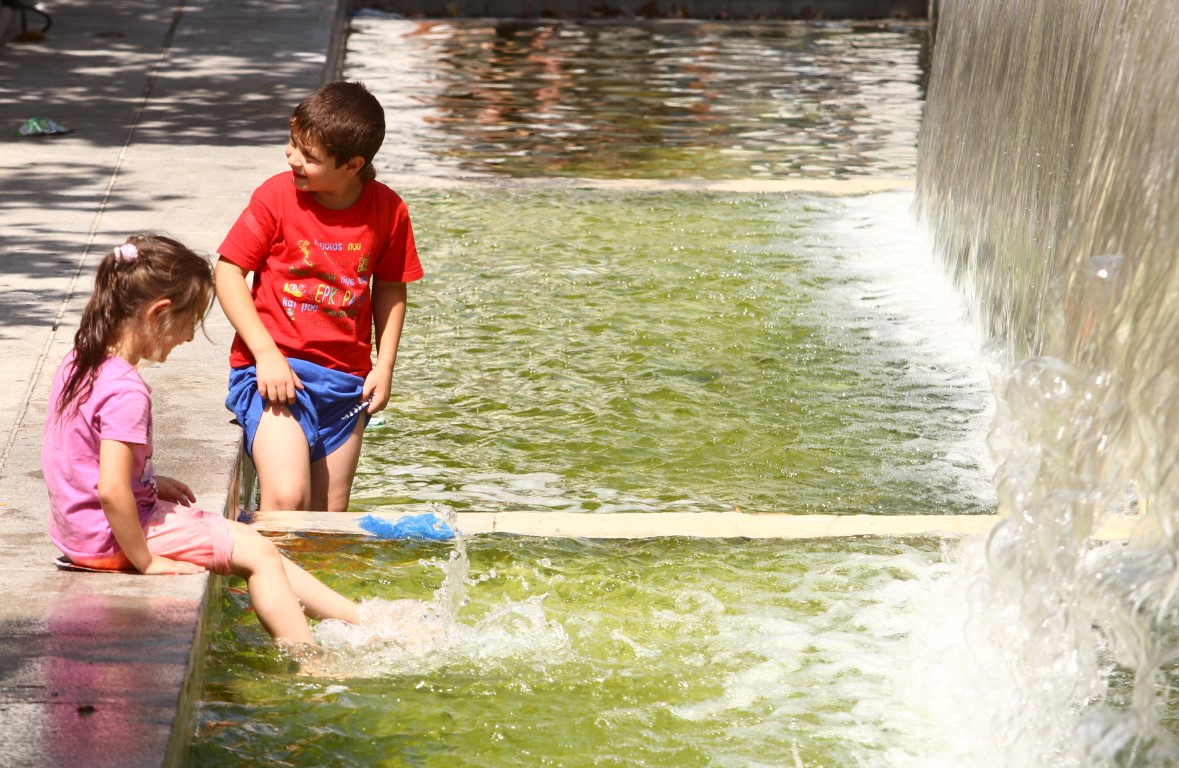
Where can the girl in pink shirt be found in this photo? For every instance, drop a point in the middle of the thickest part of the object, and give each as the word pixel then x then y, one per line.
pixel 109 509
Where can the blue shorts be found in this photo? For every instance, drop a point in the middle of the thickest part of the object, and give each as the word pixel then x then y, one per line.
pixel 320 407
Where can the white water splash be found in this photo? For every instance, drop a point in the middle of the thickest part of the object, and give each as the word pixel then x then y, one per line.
pixel 417 636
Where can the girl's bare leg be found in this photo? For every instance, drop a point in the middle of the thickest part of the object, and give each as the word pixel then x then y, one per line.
pixel 259 562
pixel 319 600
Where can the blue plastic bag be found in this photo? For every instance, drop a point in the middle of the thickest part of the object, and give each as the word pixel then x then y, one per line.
pixel 428 527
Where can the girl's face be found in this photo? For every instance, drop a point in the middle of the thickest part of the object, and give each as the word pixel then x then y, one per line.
pixel 168 336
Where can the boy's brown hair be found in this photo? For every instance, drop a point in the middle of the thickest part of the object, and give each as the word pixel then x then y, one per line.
pixel 346 120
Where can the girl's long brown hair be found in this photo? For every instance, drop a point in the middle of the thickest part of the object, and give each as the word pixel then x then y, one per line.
pixel 161 269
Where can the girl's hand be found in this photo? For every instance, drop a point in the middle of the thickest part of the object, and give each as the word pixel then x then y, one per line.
pixel 171 489
pixel 160 566
pixel 276 381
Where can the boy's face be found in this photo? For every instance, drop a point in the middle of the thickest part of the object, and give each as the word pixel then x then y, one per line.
pixel 316 171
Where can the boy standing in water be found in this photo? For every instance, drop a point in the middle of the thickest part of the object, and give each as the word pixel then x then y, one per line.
pixel 331 249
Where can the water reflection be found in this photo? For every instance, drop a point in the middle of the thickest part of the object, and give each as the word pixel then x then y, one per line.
pixel 658 99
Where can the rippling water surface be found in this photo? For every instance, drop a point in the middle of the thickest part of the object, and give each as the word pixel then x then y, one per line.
pixel 659 99
pixel 594 351
pixel 654 653
pixel 589 351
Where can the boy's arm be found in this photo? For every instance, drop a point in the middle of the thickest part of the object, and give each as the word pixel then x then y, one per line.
pixel 276 381
pixel 115 460
pixel 388 318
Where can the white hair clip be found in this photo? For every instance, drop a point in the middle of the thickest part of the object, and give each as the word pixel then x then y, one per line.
pixel 126 252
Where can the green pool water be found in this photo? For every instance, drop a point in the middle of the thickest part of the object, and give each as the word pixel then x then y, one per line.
pixel 590 351
pixel 597 352
pixel 570 653
pixel 601 351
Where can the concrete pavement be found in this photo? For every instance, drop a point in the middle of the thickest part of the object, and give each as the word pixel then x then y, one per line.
pixel 177 112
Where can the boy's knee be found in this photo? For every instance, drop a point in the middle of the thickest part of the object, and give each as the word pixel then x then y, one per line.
pixel 284 498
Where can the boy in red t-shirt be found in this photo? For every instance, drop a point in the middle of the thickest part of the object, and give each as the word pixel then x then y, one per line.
pixel 331 249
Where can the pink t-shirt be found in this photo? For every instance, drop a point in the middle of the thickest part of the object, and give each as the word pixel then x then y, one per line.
pixel 313 268
pixel 119 408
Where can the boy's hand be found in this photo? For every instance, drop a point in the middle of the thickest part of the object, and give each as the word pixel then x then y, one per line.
pixel 171 489
pixel 277 383
pixel 160 566
pixel 378 386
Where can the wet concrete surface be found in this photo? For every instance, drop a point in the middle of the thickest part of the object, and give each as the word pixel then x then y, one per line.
pixel 176 113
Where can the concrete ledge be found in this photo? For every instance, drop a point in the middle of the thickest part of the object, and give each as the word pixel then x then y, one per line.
pixel 640 525
pixel 828 187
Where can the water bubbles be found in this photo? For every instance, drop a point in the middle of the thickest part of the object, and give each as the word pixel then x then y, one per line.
pixel 1107 265
pixel 398 637
pixel 388 627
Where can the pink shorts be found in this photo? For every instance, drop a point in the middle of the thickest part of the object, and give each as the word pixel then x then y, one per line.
pixel 189 534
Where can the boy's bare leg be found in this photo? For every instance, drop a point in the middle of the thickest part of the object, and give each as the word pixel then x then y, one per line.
pixel 331 476
pixel 283 460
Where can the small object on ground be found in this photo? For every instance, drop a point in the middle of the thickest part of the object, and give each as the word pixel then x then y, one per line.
pixel 427 526
pixel 65 564
pixel 24 9
pixel 41 126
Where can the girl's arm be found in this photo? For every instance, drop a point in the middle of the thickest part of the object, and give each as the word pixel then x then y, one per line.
pixel 388 318
pixel 118 502
pixel 276 381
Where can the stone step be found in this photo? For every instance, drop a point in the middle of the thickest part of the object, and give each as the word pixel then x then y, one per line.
pixel 642 525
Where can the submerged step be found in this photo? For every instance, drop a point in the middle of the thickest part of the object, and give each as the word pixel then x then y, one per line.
pixel 643 525
pixel 814 186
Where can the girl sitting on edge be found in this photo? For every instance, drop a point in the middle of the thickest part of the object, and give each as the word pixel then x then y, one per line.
pixel 109 509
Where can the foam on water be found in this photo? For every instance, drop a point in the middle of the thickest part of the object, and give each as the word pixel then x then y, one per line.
pixel 415 636
pixel 888 285
pixel 807 357
pixel 399 637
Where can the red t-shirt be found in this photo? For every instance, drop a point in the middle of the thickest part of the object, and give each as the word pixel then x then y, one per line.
pixel 313 269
